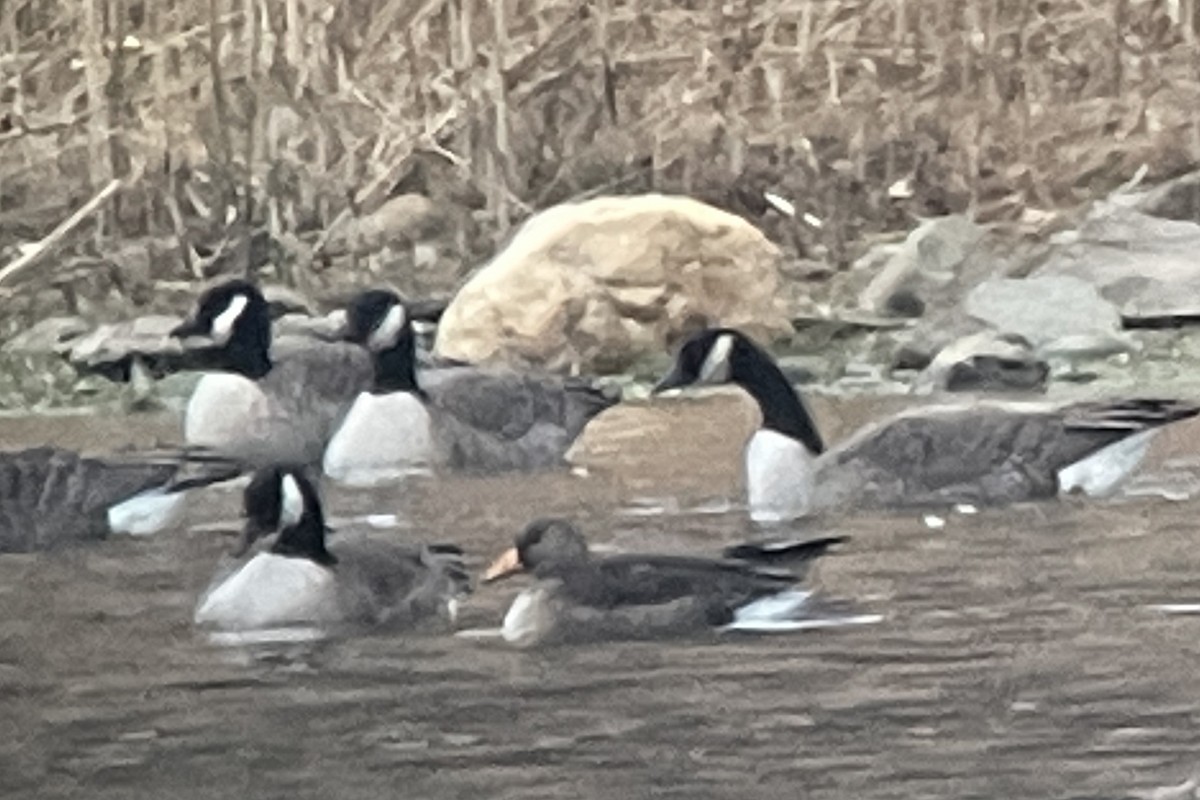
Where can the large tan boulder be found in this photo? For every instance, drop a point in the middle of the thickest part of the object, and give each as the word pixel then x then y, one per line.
pixel 598 285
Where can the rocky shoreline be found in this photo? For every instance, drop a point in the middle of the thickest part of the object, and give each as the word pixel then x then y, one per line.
pixel 1101 299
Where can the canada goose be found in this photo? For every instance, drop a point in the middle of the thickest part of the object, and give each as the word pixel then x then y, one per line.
pixel 265 404
pixel 359 579
pixel 50 496
pixel 578 597
pixel 454 417
pixel 987 452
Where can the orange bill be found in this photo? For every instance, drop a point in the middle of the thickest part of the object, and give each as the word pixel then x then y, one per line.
pixel 508 563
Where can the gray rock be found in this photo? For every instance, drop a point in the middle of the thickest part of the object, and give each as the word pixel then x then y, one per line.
pixel 51 335
pixel 1056 314
pixel 284 300
pixel 802 368
pixel 1175 199
pixel 112 349
pixel 330 327
pixel 406 218
pixel 928 260
pixel 1146 265
pixel 115 343
pixel 986 361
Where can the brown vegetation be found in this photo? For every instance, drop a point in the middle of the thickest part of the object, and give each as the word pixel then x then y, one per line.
pixel 299 117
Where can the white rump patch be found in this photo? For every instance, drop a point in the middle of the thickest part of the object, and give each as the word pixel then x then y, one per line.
pixel 150 512
pixel 778 607
pixel 780 473
pixel 388 330
pixel 1177 608
pixel 716 366
pixel 382 439
pixel 1100 473
pixel 291 501
pixel 222 324
pixel 786 611
pixel 791 626
pixel 270 591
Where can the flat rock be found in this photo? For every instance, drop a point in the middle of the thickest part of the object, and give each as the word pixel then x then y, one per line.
pixel 111 349
pixel 53 335
pixel 114 342
pixel 286 300
pixel 1058 314
pixel 1146 265
pixel 329 328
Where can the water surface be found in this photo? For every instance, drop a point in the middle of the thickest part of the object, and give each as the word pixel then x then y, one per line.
pixel 1021 654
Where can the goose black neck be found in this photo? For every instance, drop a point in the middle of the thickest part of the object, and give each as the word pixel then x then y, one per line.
pixel 254 363
pixel 782 409
pixel 395 368
pixel 248 351
pixel 305 539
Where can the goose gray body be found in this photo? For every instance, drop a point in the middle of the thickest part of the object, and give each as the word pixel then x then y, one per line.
pixel 990 452
pixel 50 496
pixel 497 419
pixel 987 452
pixel 579 597
pixel 287 573
pixel 267 402
pixel 453 417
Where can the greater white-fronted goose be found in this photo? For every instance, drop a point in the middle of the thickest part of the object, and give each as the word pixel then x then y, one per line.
pixel 580 597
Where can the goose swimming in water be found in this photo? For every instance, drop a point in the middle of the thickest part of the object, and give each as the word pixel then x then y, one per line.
pixel 265 402
pixel 51 496
pixel 456 417
pixel 988 452
pixel 578 597
pixel 360 579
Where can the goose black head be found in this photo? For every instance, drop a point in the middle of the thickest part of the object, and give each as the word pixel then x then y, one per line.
pixel 282 499
pixel 726 355
pixel 231 329
pixel 378 320
pixel 544 542
pixel 710 356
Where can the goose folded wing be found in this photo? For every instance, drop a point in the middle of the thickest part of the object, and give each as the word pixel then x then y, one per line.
pixel 988 453
pixel 509 404
pixel 649 580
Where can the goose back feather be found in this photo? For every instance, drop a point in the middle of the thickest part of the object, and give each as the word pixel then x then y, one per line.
pixel 51 496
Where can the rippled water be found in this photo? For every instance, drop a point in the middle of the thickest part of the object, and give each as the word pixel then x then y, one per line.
pixel 1021 654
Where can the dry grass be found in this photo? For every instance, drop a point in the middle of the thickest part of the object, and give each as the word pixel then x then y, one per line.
pixel 298 115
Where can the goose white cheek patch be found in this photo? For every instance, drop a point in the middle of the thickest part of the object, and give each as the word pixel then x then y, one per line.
pixel 222 325
pixel 388 330
pixel 291 502
pixel 716 366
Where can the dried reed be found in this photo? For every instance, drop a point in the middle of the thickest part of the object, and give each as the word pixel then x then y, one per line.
pixel 862 113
